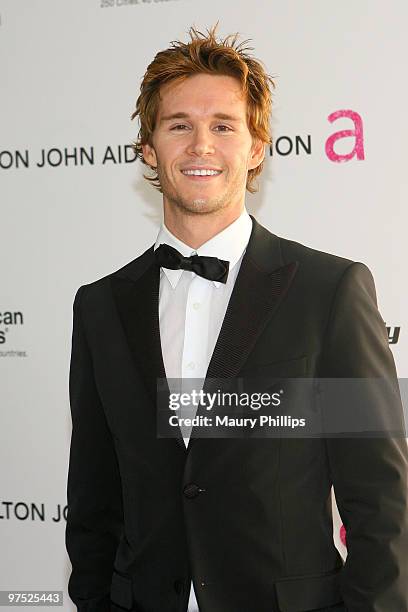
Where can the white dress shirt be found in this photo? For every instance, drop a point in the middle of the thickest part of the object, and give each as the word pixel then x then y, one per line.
pixel 192 308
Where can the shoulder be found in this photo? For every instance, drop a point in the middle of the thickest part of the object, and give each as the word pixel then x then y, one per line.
pixel 128 272
pixel 313 259
pixel 321 266
pixel 328 274
pixel 319 276
pixel 311 262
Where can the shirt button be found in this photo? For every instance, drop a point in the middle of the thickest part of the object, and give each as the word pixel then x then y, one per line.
pixel 196 305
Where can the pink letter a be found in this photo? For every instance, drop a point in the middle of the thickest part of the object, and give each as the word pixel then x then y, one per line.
pixel 357 133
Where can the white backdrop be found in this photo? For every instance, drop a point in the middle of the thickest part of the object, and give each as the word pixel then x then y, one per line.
pixel 70 73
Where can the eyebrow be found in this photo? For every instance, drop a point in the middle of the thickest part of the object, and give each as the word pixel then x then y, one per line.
pixel 182 115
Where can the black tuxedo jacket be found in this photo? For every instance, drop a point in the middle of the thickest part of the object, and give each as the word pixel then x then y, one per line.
pixel 248 520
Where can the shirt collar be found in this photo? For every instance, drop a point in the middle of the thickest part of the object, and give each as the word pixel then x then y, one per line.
pixel 229 245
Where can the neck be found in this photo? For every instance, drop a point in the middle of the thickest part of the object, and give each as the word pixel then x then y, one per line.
pixel 196 229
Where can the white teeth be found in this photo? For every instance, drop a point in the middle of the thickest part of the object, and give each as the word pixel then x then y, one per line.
pixel 202 172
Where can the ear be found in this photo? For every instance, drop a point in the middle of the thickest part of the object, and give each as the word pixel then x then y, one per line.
pixel 149 155
pixel 257 154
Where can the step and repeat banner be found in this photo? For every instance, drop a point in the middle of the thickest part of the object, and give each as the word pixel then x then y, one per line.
pixel 75 206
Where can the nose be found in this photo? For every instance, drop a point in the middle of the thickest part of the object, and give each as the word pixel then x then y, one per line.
pixel 201 141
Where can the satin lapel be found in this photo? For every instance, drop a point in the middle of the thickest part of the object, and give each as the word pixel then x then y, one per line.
pixel 136 293
pixel 261 284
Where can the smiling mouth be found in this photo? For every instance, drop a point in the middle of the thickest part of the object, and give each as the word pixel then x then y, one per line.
pixel 201 177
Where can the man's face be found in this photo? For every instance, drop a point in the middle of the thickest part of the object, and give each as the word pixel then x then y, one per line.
pixel 197 138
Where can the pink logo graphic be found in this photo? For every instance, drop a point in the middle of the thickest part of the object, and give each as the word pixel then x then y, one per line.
pixel 342 534
pixel 356 133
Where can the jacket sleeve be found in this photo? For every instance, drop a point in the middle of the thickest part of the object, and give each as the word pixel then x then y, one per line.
pixel 369 474
pixel 95 511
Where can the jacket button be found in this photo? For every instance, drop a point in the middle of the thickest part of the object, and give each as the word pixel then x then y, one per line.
pixel 191 491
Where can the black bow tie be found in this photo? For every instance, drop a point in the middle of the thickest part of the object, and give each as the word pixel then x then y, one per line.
pixel 207 267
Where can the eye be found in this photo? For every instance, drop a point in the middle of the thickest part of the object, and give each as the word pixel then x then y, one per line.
pixel 180 125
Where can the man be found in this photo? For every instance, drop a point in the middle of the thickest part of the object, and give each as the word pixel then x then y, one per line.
pixel 245 521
